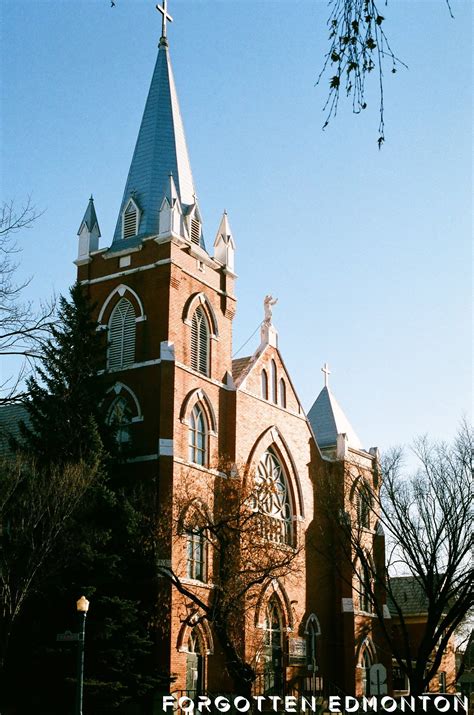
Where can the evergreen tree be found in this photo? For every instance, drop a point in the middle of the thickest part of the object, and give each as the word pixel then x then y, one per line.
pixel 101 553
pixel 65 396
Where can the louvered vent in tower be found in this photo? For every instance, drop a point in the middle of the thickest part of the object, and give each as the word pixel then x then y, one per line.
pixel 130 221
pixel 121 336
pixel 200 342
pixel 195 231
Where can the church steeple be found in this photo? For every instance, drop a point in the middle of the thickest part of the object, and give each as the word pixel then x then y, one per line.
pixel 160 151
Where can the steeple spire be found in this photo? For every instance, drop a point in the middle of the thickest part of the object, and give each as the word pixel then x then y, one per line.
pixel 89 232
pixel 160 151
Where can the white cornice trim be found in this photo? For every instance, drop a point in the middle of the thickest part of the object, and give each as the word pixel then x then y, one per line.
pixel 211 380
pixel 130 271
pixel 123 252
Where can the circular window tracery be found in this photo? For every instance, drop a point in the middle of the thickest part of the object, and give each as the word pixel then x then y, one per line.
pixel 272 499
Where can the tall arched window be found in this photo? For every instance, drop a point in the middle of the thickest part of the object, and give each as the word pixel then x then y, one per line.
pixel 195 554
pixel 364 587
pixel 311 653
pixel 364 506
pixel 197 436
pixel 273 380
pixel 120 417
pixel 282 393
pixel 272 499
pixel 200 342
pixel 121 334
pixel 366 663
pixel 273 653
pixel 264 385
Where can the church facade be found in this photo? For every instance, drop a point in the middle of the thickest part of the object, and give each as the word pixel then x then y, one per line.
pixel 191 418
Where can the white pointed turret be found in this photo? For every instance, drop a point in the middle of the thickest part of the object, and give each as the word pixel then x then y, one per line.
pixel 224 245
pixel 171 221
pixel 89 232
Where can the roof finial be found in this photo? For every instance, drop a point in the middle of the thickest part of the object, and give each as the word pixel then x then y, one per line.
pixel 327 372
pixel 165 17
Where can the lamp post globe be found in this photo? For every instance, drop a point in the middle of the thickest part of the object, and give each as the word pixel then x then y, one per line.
pixel 82 606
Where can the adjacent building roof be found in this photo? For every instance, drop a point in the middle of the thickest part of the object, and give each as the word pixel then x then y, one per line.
pixel 160 151
pixel 409 595
pixel 328 420
pixel 10 418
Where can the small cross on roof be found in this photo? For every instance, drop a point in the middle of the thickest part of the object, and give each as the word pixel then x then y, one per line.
pixel 327 372
pixel 166 16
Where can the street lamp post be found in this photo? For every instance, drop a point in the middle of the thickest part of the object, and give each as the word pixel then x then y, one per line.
pixel 82 606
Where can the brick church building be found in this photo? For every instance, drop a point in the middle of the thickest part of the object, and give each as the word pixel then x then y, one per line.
pixel 166 301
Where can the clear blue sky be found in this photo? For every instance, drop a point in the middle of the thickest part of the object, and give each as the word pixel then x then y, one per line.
pixel 368 252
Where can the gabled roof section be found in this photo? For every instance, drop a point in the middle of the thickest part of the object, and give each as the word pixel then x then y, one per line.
pixel 160 151
pixel 239 368
pixel 328 420
pixel 90 218
pixel 409 595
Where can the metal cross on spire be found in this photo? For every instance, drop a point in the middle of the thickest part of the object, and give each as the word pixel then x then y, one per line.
pixel 327 372
pixel 165 17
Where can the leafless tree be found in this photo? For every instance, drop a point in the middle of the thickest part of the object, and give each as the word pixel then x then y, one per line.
pixel 246 549
pixel 23 329
pixel 358 48
pixel 427 520
pixel 35 505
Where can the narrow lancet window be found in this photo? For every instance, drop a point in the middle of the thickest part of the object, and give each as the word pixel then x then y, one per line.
pixel 197 437
pixel 200 342
pixel 121 334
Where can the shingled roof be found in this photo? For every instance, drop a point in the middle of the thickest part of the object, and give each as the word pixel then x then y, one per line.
pixel 328 420
pixel 239 367
pixel 10 418
pixel 409 595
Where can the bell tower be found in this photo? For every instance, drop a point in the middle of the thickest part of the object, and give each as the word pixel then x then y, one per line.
pixel 165 308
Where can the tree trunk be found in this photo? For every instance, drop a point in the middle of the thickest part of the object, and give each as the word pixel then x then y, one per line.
pixel 241 672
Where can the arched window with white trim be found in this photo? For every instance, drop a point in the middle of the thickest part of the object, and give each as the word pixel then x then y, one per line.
pixel 121 335
pixel 198 437
pixel 272 499
pixel 195 554
pixel 200 342
pixel 119 417
pixel 264 385
pixel 365 664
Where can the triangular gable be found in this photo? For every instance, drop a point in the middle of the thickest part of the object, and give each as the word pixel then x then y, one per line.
pixel 247 375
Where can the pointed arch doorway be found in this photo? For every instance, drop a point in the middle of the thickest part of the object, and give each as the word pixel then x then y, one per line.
pixel 195 663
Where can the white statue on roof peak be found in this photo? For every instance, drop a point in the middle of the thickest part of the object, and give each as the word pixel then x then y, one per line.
pixel 268 302
pixel 268 333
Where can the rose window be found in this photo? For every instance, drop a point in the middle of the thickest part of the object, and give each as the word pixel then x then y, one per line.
pixel 272 499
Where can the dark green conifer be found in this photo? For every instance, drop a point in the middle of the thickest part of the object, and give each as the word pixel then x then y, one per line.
pixel 66 393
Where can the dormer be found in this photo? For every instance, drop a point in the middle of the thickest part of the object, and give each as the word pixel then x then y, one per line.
pixel 130 219
pixel 194 225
